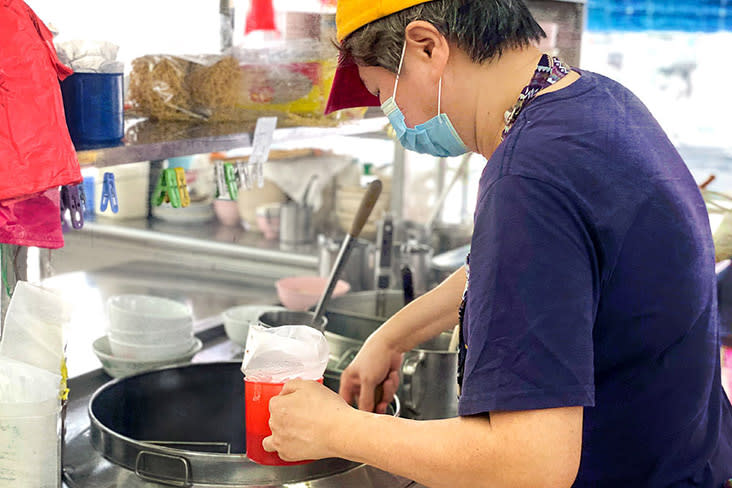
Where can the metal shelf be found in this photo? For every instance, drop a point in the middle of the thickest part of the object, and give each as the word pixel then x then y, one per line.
pixel 146 140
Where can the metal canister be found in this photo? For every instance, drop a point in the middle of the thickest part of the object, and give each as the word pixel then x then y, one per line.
pixel 296 224
pixel 358 271
pixel 418 257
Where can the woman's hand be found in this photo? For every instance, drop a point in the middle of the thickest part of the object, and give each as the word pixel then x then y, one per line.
pixel 372 378
pixel 303 418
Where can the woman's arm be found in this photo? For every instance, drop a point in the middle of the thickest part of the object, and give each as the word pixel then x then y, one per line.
pixel 427 316
pixel 519 449
pixel 380 358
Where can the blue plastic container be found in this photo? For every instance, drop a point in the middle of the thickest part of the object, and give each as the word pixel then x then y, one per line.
pixel 93 103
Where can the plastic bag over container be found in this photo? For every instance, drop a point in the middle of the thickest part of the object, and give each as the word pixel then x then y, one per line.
pixel 90 56
pixel 30 441
pixel 279 354
pixel 31 388
pixel 34 324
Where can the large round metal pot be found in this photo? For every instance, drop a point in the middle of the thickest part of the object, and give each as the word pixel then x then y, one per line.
pixel 353 317
pixel 429 372
pixel 185 426
pixel 276 318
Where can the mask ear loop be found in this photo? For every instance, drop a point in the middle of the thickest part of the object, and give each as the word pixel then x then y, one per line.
pixel 399 69
pixel 439 95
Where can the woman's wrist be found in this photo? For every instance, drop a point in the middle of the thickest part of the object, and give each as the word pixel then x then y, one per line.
pixel 390 337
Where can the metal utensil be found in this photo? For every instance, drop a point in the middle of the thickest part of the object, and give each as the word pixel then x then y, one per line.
pixel 407 284
pixel 367 205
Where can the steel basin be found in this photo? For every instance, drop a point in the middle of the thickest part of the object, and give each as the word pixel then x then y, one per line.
pixel 185 426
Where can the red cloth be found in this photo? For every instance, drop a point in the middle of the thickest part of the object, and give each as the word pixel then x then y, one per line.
pixel 36 153
pixel 32 221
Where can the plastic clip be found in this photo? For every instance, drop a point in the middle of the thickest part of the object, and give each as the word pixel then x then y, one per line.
pixel 73 200
pixel 232 181
pixel 166 189
pixel 109 193
pixel 180 177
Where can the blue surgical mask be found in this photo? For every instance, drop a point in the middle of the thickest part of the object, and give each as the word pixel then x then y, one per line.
pixel 437 136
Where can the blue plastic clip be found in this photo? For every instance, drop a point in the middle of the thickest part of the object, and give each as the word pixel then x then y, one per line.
pixel 73 200
pixel 109 193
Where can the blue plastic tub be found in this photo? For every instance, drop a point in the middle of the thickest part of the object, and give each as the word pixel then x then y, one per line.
pixel 93 103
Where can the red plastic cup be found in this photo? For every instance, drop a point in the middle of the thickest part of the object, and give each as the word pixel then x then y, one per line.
pixel 256 403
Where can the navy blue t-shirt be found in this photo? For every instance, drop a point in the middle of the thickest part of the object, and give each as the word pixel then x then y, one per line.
pixel 592 283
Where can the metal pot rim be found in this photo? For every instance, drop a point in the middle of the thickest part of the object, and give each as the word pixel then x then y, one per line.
pixel 197 458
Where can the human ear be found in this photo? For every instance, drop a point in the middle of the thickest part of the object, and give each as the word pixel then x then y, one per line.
pixel 427 45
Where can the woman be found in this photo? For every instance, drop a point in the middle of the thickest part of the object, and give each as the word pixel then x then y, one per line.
pixel 589 348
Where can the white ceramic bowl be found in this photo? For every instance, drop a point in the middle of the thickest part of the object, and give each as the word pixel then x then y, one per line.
pixel 237 320
pixel 118 367
pixel 157 352
pixel 136 313
pixel 152 337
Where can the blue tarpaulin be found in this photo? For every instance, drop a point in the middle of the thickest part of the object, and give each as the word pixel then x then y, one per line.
pixel 659 15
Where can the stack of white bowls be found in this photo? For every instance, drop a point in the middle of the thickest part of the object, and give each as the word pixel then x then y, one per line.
pixel 148 328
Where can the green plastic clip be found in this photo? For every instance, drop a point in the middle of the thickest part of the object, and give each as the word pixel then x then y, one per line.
pixel 231 180
pixel 166 190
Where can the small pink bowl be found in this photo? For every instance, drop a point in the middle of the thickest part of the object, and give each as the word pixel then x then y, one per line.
pixel 303 292
pixel 227 212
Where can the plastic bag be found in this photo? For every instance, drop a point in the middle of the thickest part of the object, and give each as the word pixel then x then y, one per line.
pixel 186 87
pixel 90 56
pixel 35 148
pixel 34 325
pixel 239 88
pixel 279 354
pixel 30 438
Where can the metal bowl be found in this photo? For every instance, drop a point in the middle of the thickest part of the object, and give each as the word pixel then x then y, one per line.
pixel 185 426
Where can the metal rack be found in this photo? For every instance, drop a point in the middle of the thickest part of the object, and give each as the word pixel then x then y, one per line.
pixel 146 140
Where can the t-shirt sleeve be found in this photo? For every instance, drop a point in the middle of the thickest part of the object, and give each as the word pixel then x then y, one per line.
pixel 531 301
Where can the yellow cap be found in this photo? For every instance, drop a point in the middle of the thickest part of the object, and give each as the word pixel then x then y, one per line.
pixel 353 14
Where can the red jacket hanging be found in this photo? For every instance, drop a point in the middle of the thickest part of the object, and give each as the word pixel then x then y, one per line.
pixel 36 153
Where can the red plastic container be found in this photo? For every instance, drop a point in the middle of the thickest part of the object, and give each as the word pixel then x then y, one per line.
pixel 256 402
pixel 260 17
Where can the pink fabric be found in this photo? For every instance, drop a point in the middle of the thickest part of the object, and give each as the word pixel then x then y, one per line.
pixel 32 221
pixel 348 90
